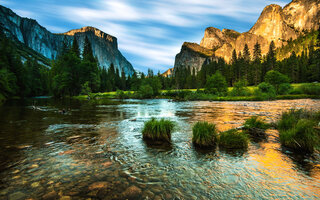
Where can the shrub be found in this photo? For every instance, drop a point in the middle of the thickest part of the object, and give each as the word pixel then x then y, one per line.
pixel 255 122
pixel 310 88
pixel 240 88
pixel 265 91
pixel 233 139
pixel 303 136
pixel 285 88
pixel 145 91
pixel 216 84
pixel 275 78
pixel 158 130
pixel 204 134
pixel 121 94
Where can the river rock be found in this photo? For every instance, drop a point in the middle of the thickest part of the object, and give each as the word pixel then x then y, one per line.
pixel 17 196
pixel 50 195
pixel 132 192
pixel 98 185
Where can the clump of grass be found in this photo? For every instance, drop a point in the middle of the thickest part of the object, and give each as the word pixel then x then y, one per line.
pixel 297 130
pixel 255 122
pixel 256 127
pixel 233 139
pixel 158 130
pixel 303 136
pixel 290 118
pixel 204 134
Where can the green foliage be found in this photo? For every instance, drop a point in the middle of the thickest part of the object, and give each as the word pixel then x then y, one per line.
pixel 265 91
pixel 158 130
pixel 204 134
pixel 86 90
pixel 284 88
pixel 275 78
pixel 233 139
pixel 216 84
pixel 240 88
pixel 255 122
pixel 146 91
pixel 310 88
pixel 301 136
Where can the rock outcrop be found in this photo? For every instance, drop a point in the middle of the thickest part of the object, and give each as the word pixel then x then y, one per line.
pixel 167 73
pixel 193 55
pixel 274 24
pixel 38 38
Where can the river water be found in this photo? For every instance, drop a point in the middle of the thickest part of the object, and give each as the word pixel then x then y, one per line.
pixel 96 151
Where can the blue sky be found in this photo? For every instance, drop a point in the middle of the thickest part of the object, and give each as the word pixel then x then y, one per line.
pixel 150 32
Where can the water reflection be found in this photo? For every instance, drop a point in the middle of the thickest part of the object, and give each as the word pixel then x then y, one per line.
pixel 97 151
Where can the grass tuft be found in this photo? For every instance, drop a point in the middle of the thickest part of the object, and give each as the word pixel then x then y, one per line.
pixel 255 122
pixel 158 130
pixel 302 136
pixel 204 134
pixel 298 130
pixel 233 139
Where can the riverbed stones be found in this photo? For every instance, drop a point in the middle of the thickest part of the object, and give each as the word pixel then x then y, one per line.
pixel 50 195
pixel 98 185
pixel 132 192
pixel 17 196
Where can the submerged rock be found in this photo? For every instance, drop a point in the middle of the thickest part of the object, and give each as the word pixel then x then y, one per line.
pixel 98 185
pixel 132 192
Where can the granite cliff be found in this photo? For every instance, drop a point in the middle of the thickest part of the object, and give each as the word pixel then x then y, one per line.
pixel 30 33
pixel 274 24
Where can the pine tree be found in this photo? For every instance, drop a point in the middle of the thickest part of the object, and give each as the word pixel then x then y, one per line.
pixel 75 47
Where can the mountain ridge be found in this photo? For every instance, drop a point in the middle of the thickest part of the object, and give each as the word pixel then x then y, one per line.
pixel 275 23
pixel 33 35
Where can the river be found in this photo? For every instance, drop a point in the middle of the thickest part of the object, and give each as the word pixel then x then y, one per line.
pixel 96 151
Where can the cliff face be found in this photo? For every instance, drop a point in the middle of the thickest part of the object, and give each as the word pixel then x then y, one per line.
pixel 36 37
pixel 274 24
pixel 192 56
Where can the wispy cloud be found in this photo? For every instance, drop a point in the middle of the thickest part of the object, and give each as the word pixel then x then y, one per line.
pixel 150 33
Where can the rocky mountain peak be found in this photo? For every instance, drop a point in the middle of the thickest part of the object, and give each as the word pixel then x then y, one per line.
pixel 274 24
pixel 94 30
pixel 33 35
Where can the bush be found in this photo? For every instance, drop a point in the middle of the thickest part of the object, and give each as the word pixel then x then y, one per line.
pixel 204 134
pixel 233 139
pixel 255 122
pixel 302 136
pixel 265 91
pixel 158 130
pixel 145 91
pixel 310 88
pixel 285 88
pixel 121 94
pixel 216 84
pixel 240 88
pixel 275 78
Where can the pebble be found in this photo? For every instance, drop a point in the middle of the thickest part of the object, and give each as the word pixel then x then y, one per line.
pixel 17 196
pixel 65 198
pixel 98 185
pixel 35 184
pixel 106 164
pixel 50 195
pixel 132 192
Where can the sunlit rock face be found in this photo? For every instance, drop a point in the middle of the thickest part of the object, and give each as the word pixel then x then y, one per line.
pixel 33 35
pixel 192 56
pixel 274 24
pixel 302 14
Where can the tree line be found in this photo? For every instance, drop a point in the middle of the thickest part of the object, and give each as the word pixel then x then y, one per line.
pixel 77 72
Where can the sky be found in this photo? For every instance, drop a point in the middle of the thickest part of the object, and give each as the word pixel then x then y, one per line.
pixel 150 32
